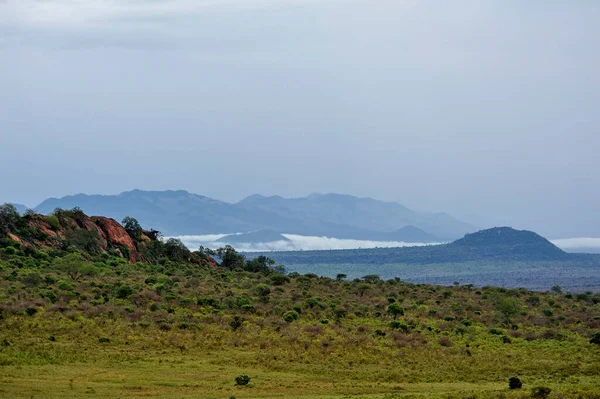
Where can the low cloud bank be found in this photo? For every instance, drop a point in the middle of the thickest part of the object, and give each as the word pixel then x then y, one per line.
pixel 296 243
pixel 579 244
pixel 307 243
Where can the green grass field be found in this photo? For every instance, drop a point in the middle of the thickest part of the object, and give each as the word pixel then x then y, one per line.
pixel 80 322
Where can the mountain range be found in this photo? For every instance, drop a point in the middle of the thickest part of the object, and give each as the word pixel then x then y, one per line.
pixel 332 215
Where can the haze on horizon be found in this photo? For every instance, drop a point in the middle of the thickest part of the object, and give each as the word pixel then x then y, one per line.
pixel 487 111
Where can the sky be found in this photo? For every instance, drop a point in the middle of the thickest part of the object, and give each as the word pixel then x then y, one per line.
pixel 486 110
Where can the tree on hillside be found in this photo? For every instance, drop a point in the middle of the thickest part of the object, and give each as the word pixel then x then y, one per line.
pixel 176 250
pixel 395 310
pixel 230 258
pixel 505 306
pixel 74 266
pixel 9 217
pixel 132 227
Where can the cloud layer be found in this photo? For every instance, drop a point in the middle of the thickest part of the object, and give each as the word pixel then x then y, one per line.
pixel 306 243
pixel 580 244
pixel 296 243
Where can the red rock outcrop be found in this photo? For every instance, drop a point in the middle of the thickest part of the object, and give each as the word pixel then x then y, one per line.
pixel 116 235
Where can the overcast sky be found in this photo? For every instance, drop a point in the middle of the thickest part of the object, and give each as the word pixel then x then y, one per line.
pixel 487 110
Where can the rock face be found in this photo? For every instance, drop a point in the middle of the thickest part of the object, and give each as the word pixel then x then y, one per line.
pixel 116 235
pixel 96 235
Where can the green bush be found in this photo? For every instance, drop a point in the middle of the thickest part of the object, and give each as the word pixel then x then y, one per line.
pixel 242 380
pixel 395 310
pixel 279 279
pixel 53 221
pixel 31 311
pixel 399 325
pixel 10 250
pixel 124 292
pixel 515 383
pixel 290 316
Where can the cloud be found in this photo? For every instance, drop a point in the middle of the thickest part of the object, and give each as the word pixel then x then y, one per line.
pixel 88 13
pixel 296 243
pixel 579 244
pixel 307 243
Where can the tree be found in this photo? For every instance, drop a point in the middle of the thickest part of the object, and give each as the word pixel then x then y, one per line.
pixel 341 276
pixel 74 266
pixel 132 227
pixel 154 235
pixel 556 289
pixel 395 310
pixel 506 306
pixel 362 288
pixel 230 258
pixel 176 250
pixel 371 278
pixel 9 217
pixel 260 264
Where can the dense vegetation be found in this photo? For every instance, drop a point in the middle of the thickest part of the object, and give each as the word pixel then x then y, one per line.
pixel 77 320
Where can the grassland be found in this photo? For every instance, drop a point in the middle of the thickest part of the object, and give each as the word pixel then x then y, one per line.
pixel 78 323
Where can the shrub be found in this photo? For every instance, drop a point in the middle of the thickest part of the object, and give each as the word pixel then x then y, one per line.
pixel 540 392
pixel 547 313
pixel 242 380
pixel 595 339
pixel 236 323
pixel 496 331
pixel 398 325
pixel 31 311
pixel 515 383
pixel 279 279
pixel 103 340
pixel 290 316
pixel 53 221
pixel 395 310
pixel 10 250
pixel 445 341
pixel 124 292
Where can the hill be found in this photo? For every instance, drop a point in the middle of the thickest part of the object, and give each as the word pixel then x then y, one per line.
pixel 20 208
pixel 507 244
pixel 496 244
pixel 499 256
pixel 69 231
pixel 331 215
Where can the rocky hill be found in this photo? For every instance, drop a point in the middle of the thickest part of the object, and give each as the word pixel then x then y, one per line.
pixel 73 230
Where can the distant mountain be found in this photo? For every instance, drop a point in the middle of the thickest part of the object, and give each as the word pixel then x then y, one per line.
pixel 20 208
pixel 500 244
pixel 363 213
pixel 410 234
pixel 508 242
pixel 332 215
pixel 255 237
